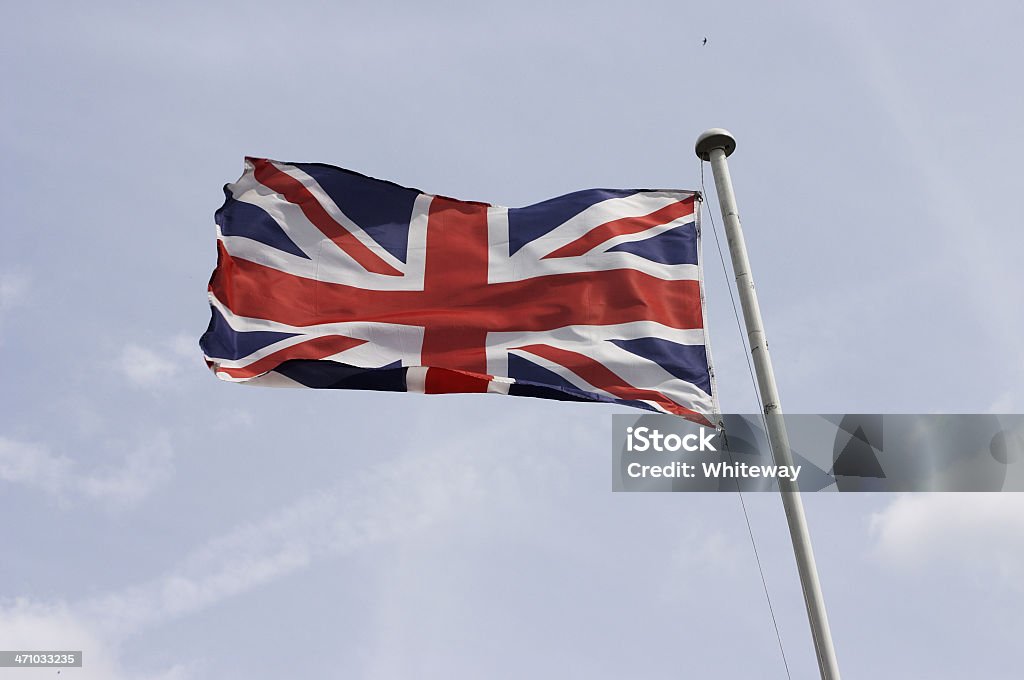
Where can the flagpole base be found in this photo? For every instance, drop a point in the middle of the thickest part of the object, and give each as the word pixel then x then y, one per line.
pixel 715 138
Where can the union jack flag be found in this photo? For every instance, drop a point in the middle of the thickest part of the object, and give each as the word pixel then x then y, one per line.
pixel 327 278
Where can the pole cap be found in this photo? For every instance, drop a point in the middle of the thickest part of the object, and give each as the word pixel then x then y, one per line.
pixel 715 138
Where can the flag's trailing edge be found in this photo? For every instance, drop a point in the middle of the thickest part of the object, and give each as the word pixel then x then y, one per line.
pixel 327 278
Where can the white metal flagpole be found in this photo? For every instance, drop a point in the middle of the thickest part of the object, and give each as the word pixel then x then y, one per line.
pixel 715 145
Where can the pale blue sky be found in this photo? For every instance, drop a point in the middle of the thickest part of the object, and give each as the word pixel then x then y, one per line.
pixel 176 527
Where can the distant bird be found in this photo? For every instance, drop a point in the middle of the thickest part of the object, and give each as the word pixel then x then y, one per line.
pixel 705 41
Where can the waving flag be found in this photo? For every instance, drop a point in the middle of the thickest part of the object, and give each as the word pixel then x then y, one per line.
pixel 326 278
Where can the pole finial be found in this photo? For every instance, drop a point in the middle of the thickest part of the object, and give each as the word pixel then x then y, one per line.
pixel 715 138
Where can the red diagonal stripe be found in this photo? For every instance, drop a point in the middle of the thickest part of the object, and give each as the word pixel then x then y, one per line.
pixel 622 226
pixel 317 348
pixel 293 191
pixel 599 375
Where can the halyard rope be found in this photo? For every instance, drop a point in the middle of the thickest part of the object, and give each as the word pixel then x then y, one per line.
pixel 757 395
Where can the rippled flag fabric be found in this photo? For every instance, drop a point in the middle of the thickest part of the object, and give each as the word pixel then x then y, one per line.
pixel 326 278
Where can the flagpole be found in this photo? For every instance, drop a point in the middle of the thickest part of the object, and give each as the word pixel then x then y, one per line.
pixel 715 145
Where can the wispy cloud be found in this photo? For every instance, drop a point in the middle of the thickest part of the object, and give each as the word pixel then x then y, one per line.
pixel 397 497
pixel 33 465
pixel 982 531
pixel 976 239
pixel 34 625
pixel 377 506
pixel 156 364
pixel 1006 402
pixel 143 469
pixel 421 490
pixel 699 553
pixel 145 367
pixel 140 471
pixel 14 287
pixel 185 345
pixel 13 290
